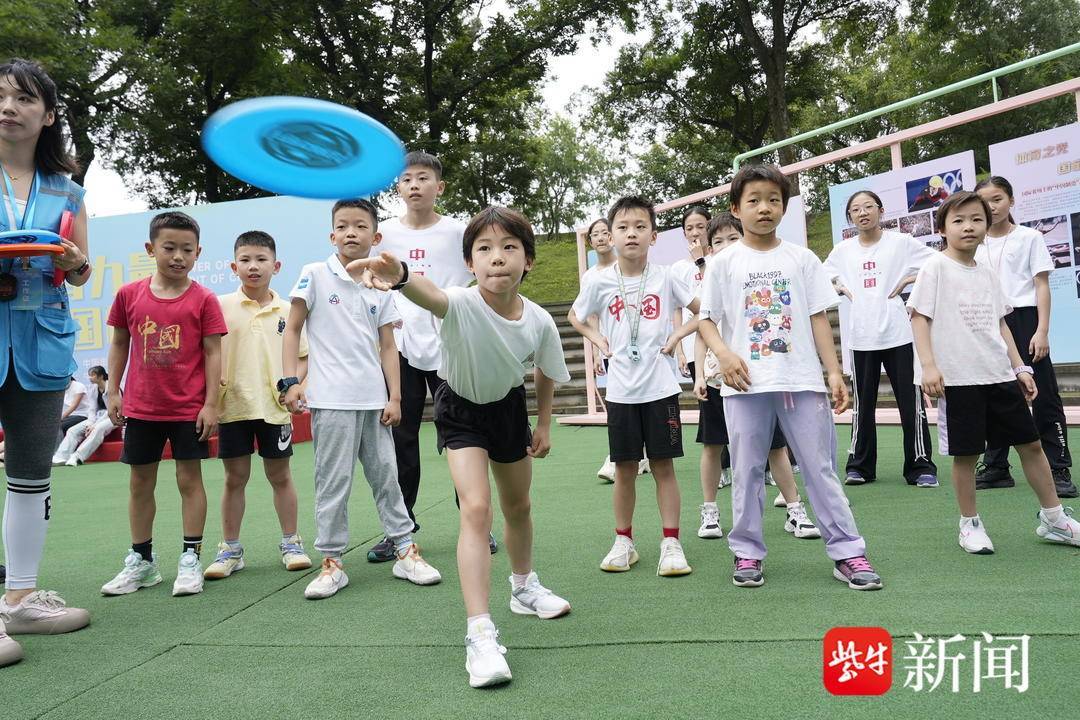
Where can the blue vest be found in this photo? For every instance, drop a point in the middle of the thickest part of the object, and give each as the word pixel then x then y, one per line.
pixel 42 342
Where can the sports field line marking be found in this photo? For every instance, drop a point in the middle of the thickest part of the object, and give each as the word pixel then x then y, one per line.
pixel 610 643
pixel 170 648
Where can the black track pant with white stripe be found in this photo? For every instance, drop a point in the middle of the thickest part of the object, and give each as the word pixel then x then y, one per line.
pixel 899 366
pixel 1047 408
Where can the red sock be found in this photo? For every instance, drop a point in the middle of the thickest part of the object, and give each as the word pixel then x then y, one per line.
pixel 671 532
pixel 625 531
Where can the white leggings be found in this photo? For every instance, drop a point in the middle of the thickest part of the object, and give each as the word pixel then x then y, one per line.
pixel 73 443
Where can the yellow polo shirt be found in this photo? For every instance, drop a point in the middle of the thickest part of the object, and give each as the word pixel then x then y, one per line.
pixel 251 358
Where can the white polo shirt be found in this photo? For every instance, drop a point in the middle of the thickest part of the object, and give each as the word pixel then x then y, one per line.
pixel 1016 258
pixel 436 253
pixel 344 317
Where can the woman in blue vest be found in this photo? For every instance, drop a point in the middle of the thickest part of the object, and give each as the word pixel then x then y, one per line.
pixel 37 340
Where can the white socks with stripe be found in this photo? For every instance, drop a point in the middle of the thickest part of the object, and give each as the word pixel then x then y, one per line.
pixel 26 518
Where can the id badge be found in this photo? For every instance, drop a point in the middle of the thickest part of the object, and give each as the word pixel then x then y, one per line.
pixel 29 289
pixel 634 353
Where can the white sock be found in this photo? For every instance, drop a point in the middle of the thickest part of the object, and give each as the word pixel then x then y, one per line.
pixel 402 545
pixel 26 518
pixel 472 620
pixel 519 580
pixel 1053 514
pixel 973 519
pixel 709 505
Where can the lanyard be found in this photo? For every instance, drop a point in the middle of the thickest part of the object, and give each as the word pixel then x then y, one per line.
pixel 31 202
pixel 635 320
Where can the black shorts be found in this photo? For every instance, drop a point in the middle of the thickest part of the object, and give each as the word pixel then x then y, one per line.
pixel 974 418
pixel 239 438
pixel 144 441
pixel 654 427
pixel 500 427
pixel 712 426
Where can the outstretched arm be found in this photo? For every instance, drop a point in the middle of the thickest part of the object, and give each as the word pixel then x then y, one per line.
pixel 384 270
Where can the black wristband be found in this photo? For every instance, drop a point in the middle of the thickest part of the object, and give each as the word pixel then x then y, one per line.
pixel 82 269
pixel 404 277
pixel 700 261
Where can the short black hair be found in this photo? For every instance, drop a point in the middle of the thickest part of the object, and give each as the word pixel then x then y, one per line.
pixel 424 159
pixel 598 221
pixel 173 220
pixel 954 201
pixel 695 210
pixel 631 202
pixel 365 205
pixel 255 238
pixel 766 173
pixel 998 182
pixel 510 220
pixel 872 195
pixel 99 371
pixel 721 221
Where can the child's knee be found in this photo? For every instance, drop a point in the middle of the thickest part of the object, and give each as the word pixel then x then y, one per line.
pixel 1030 451
pixel 475 513
pixel 517 509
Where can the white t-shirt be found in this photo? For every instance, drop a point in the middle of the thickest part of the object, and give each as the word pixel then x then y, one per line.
pixel 653 376
pixel 434 252
pixel 344 317
pixel 965 305
pixel 84 408
pixel 691 276
pixel 877 321
pixel 762 301
pixel 1016 258
pixel 484 355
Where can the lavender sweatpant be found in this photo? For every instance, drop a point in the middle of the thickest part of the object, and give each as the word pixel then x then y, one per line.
pixel 806 419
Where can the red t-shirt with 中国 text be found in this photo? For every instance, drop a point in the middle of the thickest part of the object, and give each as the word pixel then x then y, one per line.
pixel 166 374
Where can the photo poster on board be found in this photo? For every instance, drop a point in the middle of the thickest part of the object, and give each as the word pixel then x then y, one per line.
pixel 300 228
pixel 909 196
pixel 671 247
pixel 1044 170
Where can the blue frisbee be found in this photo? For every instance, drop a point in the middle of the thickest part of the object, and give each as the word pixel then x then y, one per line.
pixel 28 243
pixel 305 147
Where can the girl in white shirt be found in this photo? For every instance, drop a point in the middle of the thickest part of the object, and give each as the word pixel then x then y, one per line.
pixel 871 269
pixel 1019 257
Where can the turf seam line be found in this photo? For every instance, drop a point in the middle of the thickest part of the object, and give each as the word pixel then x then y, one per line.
pixel 612 643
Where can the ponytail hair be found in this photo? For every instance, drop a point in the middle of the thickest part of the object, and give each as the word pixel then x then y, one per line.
pixel 99 371
pixel 1001 184
pixel 51 155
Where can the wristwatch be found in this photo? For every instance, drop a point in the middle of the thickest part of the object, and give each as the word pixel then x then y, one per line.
pixel 287 382
pixel 404 277
pixel 1024 369
pixel 82 269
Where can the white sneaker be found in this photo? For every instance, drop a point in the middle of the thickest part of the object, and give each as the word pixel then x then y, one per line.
pixel 10 651
pixel 484 659
pixel 226 563
pixel 137 574
pixel 710 522
pixel 769 480
pixel 672 559
pixel 607 470
pixel 331 579
pixel 189 575
pixel 798 522
pixel 73 461
pixel 1066 530
pixel 42 612
pixel 643 467
pixel 535 599
pixel 57 461
pixel 725 478
pixel 973 537
pixel 622 555
pixel 414 568
pixel 779 501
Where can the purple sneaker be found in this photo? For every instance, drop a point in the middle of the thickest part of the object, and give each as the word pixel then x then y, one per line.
pixel 747 573
pixel 854 478
pixel 927 481
pixel 858 573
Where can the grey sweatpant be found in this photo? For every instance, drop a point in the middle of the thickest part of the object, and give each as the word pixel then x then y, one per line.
pixel 341 437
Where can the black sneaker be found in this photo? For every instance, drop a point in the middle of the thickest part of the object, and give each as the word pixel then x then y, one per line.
pixel 382 551
pixel 492 545
pixel 992 478
pixel 1063 483
pixel 3 573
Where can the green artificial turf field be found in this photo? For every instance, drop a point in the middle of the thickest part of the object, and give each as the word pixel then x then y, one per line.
pixel 635 645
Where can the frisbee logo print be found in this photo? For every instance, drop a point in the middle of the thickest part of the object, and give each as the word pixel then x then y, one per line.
pixel 310 145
